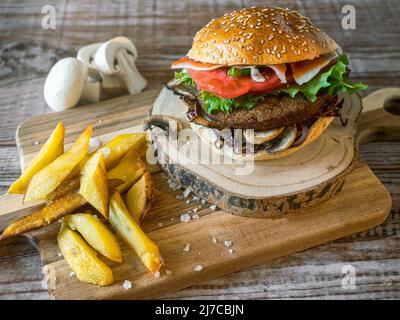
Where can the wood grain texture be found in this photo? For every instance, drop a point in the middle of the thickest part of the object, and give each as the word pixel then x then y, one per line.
pixel 163 33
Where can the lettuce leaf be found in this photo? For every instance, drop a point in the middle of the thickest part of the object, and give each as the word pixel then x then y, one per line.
pixel 214 103
pixel 334 80
pixel 184 76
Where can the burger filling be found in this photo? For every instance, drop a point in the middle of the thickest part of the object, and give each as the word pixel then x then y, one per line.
pixel 265 98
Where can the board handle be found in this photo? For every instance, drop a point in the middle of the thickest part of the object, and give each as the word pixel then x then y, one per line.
pixel 380 117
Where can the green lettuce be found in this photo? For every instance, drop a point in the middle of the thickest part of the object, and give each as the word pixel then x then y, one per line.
pixel 214 103
pixel 331 81
pixel 334 80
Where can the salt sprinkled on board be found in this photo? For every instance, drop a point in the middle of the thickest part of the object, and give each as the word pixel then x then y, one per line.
pixel 185 217
pixel 186 248
pixel 214 240
pixel 186 193
pixel 198 268
pixel 228 243
pixel 157 274
pixel 213 207
pixel 230 251
pixel 168 272
pixel 195 216
pixel 71 274
pixel 160 224
pixel 127 284
pixel 59 254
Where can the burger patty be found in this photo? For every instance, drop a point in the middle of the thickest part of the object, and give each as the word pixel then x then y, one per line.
pixel 273 112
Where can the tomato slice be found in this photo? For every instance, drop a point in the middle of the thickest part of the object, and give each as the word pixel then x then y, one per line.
pixel 219 83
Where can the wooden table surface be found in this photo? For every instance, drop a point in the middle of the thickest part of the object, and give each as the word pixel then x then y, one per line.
pixel 162 31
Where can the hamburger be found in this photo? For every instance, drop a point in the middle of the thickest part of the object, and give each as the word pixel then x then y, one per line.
pixel 267 71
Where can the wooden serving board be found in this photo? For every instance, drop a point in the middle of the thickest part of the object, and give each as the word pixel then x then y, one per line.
pixel 362 203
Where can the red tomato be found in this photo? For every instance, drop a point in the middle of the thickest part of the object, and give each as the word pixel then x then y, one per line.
pixel 219 83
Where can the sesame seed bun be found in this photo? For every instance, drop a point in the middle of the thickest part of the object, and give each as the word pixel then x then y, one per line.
pixel 260 36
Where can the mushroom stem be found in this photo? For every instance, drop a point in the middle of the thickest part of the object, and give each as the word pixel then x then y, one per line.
pixel 130 75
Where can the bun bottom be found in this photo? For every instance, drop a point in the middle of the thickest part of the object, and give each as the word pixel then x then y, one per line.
pixel 314 132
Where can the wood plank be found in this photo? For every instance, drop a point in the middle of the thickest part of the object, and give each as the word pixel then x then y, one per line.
pixel 28 52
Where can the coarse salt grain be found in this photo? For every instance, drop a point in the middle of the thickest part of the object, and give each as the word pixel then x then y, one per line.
pixel 94 143
pixel 157 274
pixel 214 240
pixel 59 254
pixel 71 274
pixel 160 224
pixel 198 268
pixel 187 201
pixel 168 272
pixel 213 207
pixel 195 216
pixel 230 251
pixel 185 217
pixel 228 243
pixel 106 152
pixel 186 193
pixel 127 284
pixel 186 248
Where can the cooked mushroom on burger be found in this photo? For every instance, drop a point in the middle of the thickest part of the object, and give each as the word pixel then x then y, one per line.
pixel 268 71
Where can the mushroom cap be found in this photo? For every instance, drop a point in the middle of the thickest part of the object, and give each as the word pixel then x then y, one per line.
pixel 64 84
pixel 105 55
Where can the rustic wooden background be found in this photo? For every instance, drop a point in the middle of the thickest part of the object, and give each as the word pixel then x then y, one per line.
pixel 162 31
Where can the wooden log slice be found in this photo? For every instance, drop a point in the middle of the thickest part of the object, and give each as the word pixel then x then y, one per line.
pixel 263 188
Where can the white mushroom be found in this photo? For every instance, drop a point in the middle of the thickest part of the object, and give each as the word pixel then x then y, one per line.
pixel 91 91
pixel 119 55
pixel 64 84
pixel 260 137
pixel 282 142
pixel 86 55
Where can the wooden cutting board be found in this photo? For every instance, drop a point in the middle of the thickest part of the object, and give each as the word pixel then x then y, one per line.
pixel 362 203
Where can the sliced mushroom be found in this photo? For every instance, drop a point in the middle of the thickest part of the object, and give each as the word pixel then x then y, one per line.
pixel 182 89
pixel 168 124
pixel 119 55
pixel 260 137
pixel 282 142
pixel 86 55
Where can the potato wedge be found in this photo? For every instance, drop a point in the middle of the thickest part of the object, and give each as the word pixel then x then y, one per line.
pixel 76 172
pixel 83 259
pixel 140 197
pixel 94 185
pixel 64 188
pixel 129 170
pixel 126 226
pixel 96 234
pixel 54 211
pixel 114 150
pixel 53 148
pixel 51 176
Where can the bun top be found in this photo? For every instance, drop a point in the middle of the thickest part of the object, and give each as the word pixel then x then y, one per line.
pixel 258 36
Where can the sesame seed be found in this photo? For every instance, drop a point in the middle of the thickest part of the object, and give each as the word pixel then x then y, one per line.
pixel 270 37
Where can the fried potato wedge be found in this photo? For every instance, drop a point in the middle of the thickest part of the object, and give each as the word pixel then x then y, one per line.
pixel 51 176
pixel 96 234
pixel 76 172
pixel 140 197
pixel 114 150
pixel 94 184
pixel 129 170
pixel 54 211
pixel 64 188
pixel 83 259
pixel 52 149
pixel 126 226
